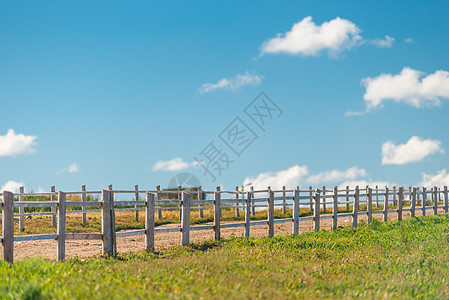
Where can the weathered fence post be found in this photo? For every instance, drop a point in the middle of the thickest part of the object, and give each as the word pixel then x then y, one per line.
pixel 237 211
pixel 180 198
pixel 8 226
pixel 369 204
pixel 377 196
pixel 386 204
pixel 106 222
pixel 347 198
pixel 200 209
pixel 185 220
pixel 311 199
pixel 400 202
pixel 21 211
pixel 247 213
pixel 158 195
pixel 335 208
pixel 149 222
pixel 284 202
pixel 217 213
pixel 316 211
pixel 295 215
pixel 418 198
pixel 84 208
pixel 355 208
pixel 424 200
pixel 136 194
pixel 445 200
pixel 270 213
pixel 435 200
pixel 254 203
pixel 53 209
pixel 324 198
pixel 410 195
pixel 114 237
pixel 366 198
pixel 394 197
pixel 413 203
pixel 61 225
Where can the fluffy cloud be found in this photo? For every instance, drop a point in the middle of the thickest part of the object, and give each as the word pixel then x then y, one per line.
pixel 12 144
pixel 387 42
pixel 12 186
pixel 290 177
pixel 408 40
pixel 299 175
pixel 175 164
pixel 416 149
pixel 364 183
pixel 407 87
pixel 235 83
pixel 73 168
pixel 439 179
pixel 307 38
pixel 336 175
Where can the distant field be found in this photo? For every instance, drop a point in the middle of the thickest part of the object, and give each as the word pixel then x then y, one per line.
pixel 405 259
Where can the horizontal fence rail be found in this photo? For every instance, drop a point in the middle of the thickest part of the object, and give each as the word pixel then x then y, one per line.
pixel 321 203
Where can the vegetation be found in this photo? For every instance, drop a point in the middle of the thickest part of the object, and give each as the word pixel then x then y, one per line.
pixel 405 259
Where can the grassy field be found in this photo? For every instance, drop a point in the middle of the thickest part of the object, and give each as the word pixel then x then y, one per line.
pixel 405 259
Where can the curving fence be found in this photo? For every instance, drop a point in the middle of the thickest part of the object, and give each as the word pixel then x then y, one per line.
pixel 321 203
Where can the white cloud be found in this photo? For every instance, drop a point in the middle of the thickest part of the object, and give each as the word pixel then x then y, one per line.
pixel 364 183
pixel 176 164
pixel 235 83
pixel 387 42
pixel 12 186
pixel 409 40
pixel 416 149
pixel 440 179
pixel 12 144
pixel 299 175
pixel 290 177
pixel 336 175
pixel 354 113
pixel 307 38
pixel 73 168
pixel 407 87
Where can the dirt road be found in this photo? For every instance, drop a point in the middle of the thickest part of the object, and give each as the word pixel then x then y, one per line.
pixel 48 248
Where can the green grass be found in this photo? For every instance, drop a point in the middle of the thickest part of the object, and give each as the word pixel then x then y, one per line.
pixel 389 260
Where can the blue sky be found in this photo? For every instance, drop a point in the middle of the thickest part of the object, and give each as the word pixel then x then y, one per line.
pixel 125 93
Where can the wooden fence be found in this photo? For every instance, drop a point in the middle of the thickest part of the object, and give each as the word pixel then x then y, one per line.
pixel 318 201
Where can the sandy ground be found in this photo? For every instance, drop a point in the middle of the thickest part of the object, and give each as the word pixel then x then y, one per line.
pixel 48 248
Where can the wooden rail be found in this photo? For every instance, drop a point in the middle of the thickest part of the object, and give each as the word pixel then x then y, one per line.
pixel 394 200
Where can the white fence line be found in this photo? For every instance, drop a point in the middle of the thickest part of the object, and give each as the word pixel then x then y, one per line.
pixel 316 199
